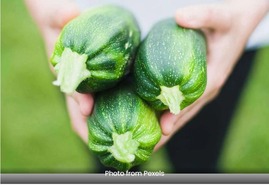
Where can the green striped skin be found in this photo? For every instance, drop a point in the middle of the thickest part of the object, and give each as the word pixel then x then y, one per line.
pixel 119 110
pixel 170 56
pixel 109 36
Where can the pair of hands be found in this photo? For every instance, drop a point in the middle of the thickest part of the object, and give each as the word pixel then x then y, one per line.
pixel 227 27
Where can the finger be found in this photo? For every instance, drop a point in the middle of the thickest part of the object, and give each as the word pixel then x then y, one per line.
pixel 59 17
pixel 50 38
pixel 79 122
pixel 85 102
pixel 188 114
pixel 167 122
pixel 214 17
pixel 63 15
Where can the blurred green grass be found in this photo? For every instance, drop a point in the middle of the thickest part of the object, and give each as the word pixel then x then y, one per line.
pixel 35 127
pixel 36 134
pixel 247 144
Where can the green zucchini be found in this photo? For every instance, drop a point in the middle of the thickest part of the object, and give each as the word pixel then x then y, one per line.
pixel 170 67
pixel 123 129
pixel 94 51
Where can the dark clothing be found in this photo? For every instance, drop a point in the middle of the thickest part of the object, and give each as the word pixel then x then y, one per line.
pixel 196 147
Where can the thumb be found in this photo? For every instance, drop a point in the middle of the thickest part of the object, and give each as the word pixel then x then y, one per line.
pixel 85 102
pixel 213 16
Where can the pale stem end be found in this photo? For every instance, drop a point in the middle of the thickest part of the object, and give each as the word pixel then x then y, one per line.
pixel 172 97
pixel 71 70
pixel 124 147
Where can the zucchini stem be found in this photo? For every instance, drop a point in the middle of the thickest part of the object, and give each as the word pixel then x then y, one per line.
pixel 124 147
pixel 172 97
pixel 71 70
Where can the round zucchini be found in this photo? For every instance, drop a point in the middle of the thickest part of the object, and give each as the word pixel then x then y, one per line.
pixel 170 68
pixel 95 50
pixel 123 129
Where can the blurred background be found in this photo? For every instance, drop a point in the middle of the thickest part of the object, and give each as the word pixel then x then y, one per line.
pixel 35 129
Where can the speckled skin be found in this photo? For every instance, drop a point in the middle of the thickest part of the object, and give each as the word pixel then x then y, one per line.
pixel 169 56
pixel 120 110
pixel 109 35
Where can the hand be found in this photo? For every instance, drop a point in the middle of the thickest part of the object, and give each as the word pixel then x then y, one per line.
pixel 51 16
pixel 227 27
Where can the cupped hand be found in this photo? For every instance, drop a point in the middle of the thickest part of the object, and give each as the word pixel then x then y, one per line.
pixel 227 27
pixel 51 16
